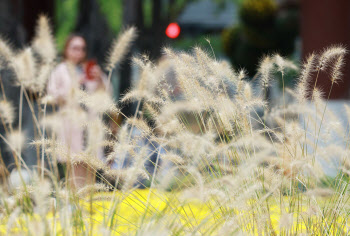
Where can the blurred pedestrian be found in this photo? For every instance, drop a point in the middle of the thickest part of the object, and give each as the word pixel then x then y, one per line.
pixel 75 73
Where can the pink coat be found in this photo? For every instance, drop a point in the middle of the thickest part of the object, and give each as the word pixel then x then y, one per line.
pixel 64 81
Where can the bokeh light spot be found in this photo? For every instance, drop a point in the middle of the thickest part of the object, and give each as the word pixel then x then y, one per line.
pixel 173 30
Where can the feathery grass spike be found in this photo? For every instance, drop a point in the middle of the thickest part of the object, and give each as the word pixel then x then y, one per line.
pixel 121 47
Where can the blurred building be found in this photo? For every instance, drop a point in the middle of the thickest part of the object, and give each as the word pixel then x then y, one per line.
pixel 207 16
pixel 325 23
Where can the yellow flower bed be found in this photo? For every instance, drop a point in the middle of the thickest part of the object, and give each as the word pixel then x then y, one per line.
pixel 142 210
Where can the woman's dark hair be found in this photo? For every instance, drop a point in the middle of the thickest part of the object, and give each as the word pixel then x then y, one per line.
pixel 69 40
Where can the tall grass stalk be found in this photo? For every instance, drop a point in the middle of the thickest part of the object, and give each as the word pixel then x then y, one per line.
pixel 204 152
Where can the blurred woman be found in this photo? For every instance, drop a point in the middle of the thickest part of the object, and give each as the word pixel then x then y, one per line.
pixel 74 73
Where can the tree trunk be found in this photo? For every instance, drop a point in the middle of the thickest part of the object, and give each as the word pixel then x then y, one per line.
pixel 17 25
pixel 156 37
pixel 92 25
pixel 31 11
pixel 10 22
pixel 132 16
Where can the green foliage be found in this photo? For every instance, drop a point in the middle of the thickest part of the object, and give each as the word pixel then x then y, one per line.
pixel 188 43
pixel 147 13
pixel 243 48
pixel 113 12
pixel 288 78
pixel 263 30
pixel 65 18
pixel 258 13
pixel 287 28
pixel 176 8
pixel 67 11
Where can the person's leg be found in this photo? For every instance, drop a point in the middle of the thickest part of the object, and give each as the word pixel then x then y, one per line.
pixel 82 175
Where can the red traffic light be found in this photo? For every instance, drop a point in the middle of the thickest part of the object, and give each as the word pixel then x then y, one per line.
pixel 173 30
